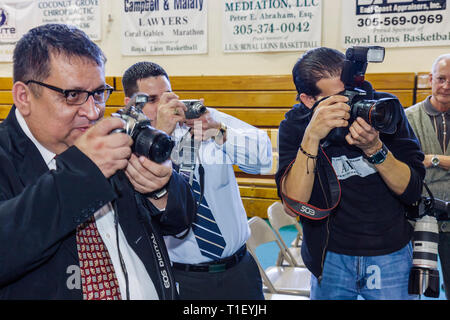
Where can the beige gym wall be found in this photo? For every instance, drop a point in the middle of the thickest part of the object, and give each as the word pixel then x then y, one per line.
pixel 215 62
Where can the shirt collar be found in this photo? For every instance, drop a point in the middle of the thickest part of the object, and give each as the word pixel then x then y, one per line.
pixel 430 110
pixel 47 155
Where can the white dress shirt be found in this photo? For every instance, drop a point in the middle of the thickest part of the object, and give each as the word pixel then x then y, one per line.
pixel 141 286
pixel 249 148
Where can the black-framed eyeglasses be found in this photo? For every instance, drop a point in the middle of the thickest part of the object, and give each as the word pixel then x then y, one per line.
pixel 78 97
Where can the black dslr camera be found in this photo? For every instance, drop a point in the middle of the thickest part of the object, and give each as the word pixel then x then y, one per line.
pixel 382 114
pixel 148 141
pixel 195 108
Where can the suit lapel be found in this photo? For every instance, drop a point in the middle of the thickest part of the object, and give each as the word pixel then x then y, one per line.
pixel 27 159
pixel 30 165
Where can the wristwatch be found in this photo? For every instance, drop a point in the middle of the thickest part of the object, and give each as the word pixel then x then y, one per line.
pixel 435 161
pixel 157 194
pixel 222 131
pixel 379 156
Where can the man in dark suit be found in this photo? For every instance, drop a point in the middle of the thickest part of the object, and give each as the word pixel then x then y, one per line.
pixel 67 231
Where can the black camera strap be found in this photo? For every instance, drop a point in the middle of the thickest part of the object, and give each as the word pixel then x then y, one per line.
pixel 161 260
pixel 307 210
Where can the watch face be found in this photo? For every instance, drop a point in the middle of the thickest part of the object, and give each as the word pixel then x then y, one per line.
pixel 435 161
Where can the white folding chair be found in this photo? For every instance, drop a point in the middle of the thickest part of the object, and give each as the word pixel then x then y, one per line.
pixel 289 280
pixel 278 218
pixel 275 296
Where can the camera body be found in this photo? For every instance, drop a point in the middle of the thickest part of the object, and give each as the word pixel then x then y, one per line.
pixel 154 144
pixel 195 108
pixel 382 114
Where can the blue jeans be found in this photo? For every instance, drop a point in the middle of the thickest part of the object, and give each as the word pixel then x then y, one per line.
pixel 382 277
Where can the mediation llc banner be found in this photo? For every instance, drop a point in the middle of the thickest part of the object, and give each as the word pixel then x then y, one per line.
pixel 271 25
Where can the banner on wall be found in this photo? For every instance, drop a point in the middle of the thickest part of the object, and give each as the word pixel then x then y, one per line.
pixel 271 25
pixel 84 14
pixel 164 27
pixel 396 23
pixel 17 17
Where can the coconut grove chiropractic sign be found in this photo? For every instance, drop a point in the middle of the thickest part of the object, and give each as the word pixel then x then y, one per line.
pixel 271 25
pixel 162 27
pixel 396 23
pixel 19 16
pixel 85 14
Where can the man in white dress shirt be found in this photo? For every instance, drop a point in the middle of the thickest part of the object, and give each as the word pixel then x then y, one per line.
pixel 225 270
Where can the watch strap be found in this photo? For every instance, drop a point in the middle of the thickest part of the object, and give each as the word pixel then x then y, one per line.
pixel 379 156
pixel 157 194
pixel 222 131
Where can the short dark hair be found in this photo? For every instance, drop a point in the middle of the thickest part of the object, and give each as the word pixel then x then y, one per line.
pixel 31 58
pixel 314 65
pixel 137 71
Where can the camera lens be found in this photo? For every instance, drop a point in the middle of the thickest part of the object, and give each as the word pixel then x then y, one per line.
pixel 194 109
pixel 381 114
pixel 161 148
pixel 151 143
pixel 424 276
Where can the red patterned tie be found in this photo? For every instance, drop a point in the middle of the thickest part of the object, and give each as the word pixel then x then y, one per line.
pixel 98 278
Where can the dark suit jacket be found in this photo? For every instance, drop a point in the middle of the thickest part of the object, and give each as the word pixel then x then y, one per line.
pixel 40 210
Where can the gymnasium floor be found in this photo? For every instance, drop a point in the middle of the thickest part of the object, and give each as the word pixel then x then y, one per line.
pixel 267 255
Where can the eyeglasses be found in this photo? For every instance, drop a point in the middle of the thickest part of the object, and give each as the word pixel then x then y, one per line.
pixel 441 80
pixel 78 97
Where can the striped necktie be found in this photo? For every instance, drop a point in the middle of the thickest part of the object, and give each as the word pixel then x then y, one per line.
pixel 207 232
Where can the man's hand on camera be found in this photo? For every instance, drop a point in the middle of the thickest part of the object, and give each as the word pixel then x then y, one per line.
pixel 147 176
pixel 364 136
pixel 331 113
pixel 110 152
pixel 170 112
pixel 204 127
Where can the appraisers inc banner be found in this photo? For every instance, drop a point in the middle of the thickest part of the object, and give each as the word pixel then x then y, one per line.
pixel 395 23
pixel 164 27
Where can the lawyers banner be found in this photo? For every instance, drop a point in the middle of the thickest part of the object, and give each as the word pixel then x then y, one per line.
pixel 271 25
pixel 155 27
pixel 17 17
pixel 396 23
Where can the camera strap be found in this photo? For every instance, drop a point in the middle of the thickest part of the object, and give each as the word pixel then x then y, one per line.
pixel 307 210
pixel 185 153
pixel 188 151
